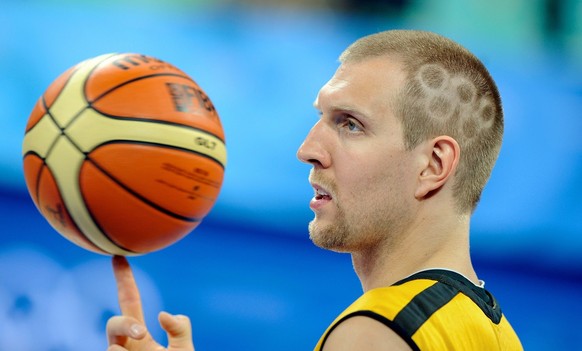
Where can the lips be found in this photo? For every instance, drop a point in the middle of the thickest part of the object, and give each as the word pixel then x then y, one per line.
pixel 321 198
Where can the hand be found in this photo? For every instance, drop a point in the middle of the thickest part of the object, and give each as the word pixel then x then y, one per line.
pixel 128 331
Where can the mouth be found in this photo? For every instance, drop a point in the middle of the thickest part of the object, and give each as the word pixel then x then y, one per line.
pixel 321 193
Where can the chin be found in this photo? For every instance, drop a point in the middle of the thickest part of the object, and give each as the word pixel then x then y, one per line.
pixel 330 237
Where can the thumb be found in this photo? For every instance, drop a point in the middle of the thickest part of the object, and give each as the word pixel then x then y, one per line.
pixel 179 331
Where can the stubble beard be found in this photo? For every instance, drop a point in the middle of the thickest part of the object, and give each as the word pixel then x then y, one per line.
pixel 343 235
pixel 333 236
pixel 360 233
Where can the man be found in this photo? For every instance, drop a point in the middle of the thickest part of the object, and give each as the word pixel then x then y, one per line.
pixel 410 127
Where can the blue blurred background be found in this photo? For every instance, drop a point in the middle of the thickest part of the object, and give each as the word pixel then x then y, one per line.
pixel 248 276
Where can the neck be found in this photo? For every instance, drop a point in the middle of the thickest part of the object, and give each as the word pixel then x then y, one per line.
pixel 422 246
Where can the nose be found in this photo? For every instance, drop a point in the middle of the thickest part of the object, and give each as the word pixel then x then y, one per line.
pixel 314 150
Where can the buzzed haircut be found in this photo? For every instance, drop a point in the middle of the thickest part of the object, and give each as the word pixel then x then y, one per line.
pixel 448 91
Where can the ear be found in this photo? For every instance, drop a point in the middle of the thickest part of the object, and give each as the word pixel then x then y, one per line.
pixel 442 157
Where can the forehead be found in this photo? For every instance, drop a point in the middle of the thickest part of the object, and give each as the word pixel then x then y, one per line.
pixel 369 86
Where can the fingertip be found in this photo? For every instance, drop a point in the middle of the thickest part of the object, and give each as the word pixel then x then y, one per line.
pixel 177 323
pixel 164 314
pixel 174 317
pixel 119 260
pixel 182 319
pixel 165 318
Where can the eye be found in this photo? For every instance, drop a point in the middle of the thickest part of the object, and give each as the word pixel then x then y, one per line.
pixel 352 126
pixel 349 123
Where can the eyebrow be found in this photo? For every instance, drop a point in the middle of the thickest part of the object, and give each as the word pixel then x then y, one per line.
pixel 343 108
pixel 347 109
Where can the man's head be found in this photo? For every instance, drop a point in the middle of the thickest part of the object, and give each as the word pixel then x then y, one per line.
pixel 448 91
pixel 396 121
pixel 362 170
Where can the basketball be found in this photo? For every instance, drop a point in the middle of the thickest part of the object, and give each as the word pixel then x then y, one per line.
pixel 124 154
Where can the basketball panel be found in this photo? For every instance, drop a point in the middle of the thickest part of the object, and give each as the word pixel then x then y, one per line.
pixel 126 220
pixel 57 85
pixel 92 130
pixel 71 100
pixel 37 113
pixel 184 183
pixel 65 162
pixel 32 166
pixel 41 137
pixel 52 207
pixel 171 99
pixel 122 68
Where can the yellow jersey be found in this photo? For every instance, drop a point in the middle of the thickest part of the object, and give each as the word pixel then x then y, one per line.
pixel 436 309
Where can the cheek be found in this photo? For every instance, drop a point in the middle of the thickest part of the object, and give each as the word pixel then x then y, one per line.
pixel 372 172
pixel 387 178
pixel 360 181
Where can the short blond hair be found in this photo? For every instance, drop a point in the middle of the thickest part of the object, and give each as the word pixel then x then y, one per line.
pixel 448 91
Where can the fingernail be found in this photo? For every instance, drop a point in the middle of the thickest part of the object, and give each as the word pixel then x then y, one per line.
pixel 136 330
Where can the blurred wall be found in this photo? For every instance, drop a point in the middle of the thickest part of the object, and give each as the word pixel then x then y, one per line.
pixel 248 276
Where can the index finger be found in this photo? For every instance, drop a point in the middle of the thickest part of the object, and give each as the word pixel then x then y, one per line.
pixel 127 291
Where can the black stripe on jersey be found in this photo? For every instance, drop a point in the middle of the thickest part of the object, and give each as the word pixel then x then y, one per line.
pixel 390 324
pixel 422 306
pixel 480 296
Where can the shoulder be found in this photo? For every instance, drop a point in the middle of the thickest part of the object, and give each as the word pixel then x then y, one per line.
pixel 368 324
pixel 364 333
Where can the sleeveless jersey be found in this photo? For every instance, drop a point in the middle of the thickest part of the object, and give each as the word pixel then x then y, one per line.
pixel 436 310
